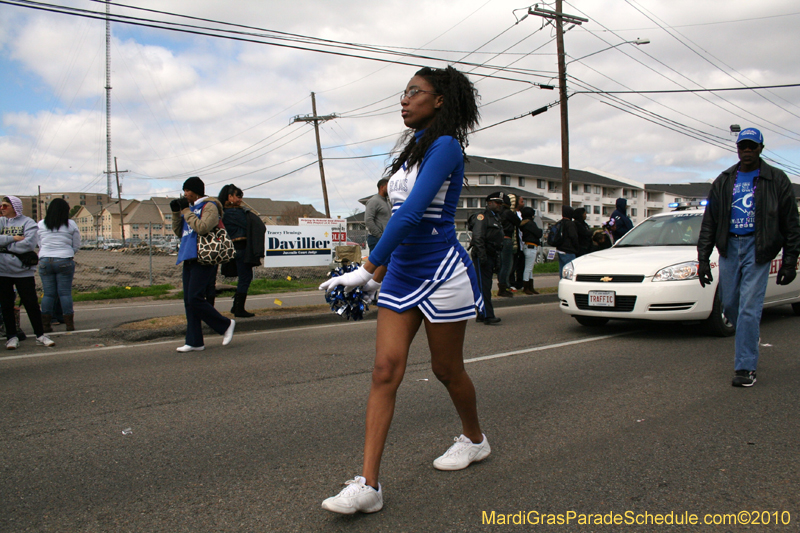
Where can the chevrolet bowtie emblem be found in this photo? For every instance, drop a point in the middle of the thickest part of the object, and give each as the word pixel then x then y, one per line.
pixel 606 279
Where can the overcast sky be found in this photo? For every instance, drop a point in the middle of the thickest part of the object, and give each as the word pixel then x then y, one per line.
pixel 185 104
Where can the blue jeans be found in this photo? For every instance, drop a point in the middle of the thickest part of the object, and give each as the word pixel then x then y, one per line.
pixel 57 274
pixel 196 279
pixel 564 260
pixel 372 242
pixel 530 259
pixel 506 262
pixel 742 285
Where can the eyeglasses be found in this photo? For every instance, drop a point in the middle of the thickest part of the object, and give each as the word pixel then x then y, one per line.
pixel 5 206
pixel 411 92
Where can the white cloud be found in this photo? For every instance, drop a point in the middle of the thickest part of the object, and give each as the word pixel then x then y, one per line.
pixel 222 109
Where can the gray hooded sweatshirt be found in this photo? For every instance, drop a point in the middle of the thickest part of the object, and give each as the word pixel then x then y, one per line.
pixel 10 265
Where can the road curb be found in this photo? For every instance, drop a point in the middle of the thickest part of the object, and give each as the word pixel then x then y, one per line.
pixel 260 323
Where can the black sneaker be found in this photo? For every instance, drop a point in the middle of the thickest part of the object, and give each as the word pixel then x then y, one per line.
pixel 744 378
pixel 488 321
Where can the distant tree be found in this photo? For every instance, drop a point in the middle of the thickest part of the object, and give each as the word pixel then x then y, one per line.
pixel 74 210
pixel 290 215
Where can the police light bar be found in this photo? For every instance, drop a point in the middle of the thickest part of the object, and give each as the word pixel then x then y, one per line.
pixel 686 205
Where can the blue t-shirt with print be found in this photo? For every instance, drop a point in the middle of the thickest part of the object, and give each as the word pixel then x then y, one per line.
pixel 743 207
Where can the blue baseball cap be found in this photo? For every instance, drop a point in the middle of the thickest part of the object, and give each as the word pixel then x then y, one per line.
pixel 750 134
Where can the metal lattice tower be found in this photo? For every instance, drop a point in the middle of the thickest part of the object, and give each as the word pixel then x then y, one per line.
pixel 108 100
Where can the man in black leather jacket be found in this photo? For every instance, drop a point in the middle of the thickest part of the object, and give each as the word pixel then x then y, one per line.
pixel 751 215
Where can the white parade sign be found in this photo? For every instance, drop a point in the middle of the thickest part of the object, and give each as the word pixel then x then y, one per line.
pixel 338 227
pixel 298 246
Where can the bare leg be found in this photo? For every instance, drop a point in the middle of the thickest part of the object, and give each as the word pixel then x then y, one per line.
pixel 446 342
pixel 395 333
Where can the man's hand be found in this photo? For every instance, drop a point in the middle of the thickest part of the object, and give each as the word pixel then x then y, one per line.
pixel 788 272
pixel 704 273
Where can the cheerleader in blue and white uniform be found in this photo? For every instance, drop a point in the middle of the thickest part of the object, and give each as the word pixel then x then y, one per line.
pixel 430 279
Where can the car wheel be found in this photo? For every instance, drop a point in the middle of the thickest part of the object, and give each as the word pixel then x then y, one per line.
pixel 796 308
pixel 717 324
pixel 591 321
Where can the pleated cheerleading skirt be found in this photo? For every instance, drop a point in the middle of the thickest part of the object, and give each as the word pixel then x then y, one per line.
pixel 438 278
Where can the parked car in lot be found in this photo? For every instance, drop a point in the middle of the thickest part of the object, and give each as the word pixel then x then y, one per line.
pixel 651 274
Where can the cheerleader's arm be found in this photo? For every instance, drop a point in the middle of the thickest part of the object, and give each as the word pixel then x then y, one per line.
pixel 441 159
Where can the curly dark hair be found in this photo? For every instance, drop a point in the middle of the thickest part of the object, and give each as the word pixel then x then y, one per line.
pixel 457 116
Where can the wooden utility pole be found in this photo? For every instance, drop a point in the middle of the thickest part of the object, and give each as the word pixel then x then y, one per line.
pixel 316 120
pixel 560 18
pixel 562 97
pixel 119 200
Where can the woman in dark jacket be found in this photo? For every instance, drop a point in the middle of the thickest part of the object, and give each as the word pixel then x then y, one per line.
pixel 531 240
pixel 235 219
pixel 584 232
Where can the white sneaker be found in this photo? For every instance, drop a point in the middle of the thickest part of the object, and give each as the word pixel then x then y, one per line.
pixel 12 343
pixel 461 454
pixel 228 336
pixel 356 496
pixel 186 348
pixel 44 340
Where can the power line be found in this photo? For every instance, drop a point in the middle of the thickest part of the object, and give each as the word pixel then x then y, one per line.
pixel 721 89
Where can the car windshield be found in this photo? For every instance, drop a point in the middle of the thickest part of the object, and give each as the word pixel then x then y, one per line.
pixel 677 230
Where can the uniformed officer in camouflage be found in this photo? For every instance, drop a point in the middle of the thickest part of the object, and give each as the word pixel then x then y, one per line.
pixel 486 244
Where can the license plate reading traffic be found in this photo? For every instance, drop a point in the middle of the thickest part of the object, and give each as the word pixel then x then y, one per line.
pixel 602 298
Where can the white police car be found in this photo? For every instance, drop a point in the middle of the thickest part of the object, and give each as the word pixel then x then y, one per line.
pixel 651 274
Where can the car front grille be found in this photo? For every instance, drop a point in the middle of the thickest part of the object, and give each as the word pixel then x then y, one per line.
pixel 615 278
pixel 623 304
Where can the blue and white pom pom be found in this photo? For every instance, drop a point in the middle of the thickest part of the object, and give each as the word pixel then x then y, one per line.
pixel 347 304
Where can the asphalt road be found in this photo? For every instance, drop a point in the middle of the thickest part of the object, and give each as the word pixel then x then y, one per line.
pixel 629 418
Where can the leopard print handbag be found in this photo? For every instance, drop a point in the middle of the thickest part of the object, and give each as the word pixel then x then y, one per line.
pixel 215 247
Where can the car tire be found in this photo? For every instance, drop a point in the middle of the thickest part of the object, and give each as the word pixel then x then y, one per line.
pixel 716 323
pixel 796 308
pixel 591 321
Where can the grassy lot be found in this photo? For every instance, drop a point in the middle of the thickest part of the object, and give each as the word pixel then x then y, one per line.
pixel 551 267
pixel 115 293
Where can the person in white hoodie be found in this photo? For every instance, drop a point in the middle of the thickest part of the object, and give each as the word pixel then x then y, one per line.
pixel 18 235
pixel 59 239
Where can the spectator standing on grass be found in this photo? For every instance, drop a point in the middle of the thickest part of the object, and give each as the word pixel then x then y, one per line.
pixel 620 222
pixel 531 240
pixel 510 222
pixel 751 215
pixel 197 214
pixel 377 213
pixel 18 235
pixel 239 222
pixel 568 249
pixel 584 231
pixel 59 239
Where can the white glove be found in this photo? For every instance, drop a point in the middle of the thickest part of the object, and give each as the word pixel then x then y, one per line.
pixel 348 281
pixel 370 290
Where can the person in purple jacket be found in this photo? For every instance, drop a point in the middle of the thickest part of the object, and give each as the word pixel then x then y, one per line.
pixel 429 281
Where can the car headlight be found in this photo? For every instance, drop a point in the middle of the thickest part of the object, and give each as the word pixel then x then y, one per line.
pixel 568 271
pixel 679 272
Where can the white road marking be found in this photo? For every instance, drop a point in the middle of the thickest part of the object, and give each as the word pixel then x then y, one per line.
pixel 50 353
